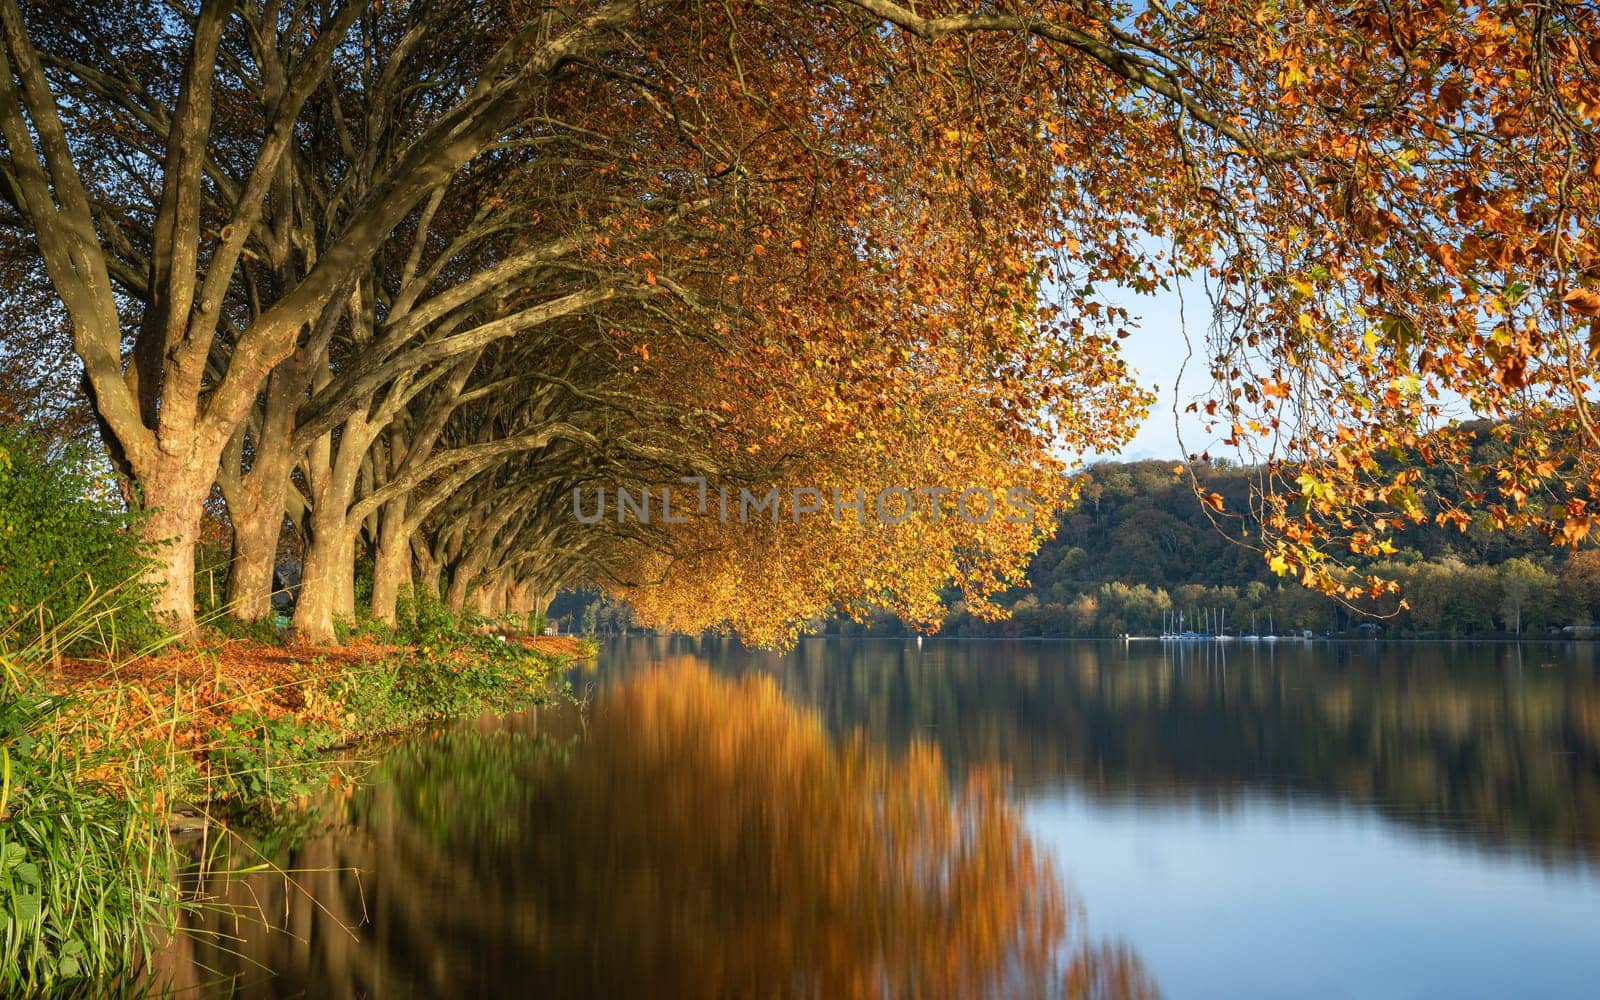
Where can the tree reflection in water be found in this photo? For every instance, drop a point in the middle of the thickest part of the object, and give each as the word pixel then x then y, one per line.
pixel 1496 745
pixel 699 836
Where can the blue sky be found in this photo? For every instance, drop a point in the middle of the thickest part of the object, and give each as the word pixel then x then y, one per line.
pixel 1156 350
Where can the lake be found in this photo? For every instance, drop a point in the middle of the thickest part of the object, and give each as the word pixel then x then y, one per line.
pixel 958 818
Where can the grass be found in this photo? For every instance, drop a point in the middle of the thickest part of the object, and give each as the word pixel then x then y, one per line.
pixel 84 851
pixel 235 731
pixel 258 762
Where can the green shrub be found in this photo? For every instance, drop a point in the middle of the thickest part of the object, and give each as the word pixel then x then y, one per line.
pixel 422 619
pixel 362 626
pixel 66 547
pixel 458 675
pixel 264 762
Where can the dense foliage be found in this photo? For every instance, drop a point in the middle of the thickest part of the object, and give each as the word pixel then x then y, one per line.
pixel 604 245
pixel 401 277
pixel 68 550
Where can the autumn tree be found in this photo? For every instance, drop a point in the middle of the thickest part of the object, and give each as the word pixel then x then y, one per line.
pixel 860 242
pixel 200 269
pixel 1399 237
pixel 1523 583
pixel 340 226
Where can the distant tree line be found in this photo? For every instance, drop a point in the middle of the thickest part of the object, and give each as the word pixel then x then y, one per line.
pixel 1138 550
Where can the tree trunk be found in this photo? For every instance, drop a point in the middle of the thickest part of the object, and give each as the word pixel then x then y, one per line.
pixel 391 566
pixel 328 586
pixel 519 597
pixel 469 569
pixel 429 568
pixel 255 553
pixel 329 564
pixel 344 604
pixel 257 506
pixel 455 595
pixel 491 597
pixel 171 529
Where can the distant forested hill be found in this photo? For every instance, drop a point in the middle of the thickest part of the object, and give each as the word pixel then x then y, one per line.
pixel 1139 548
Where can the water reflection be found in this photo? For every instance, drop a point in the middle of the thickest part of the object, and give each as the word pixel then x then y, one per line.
pixel 1495 745
pixel 692 835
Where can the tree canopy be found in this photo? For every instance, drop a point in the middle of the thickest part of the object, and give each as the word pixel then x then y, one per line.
pixel 400 278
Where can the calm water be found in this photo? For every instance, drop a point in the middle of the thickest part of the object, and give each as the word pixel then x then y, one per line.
pixel 870 817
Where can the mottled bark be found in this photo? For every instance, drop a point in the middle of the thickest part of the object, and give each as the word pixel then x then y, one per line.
pixel 327 589
pixel 171 528
pixel 429 569
pixel 256 504
pixel 255 550
pixel 391 565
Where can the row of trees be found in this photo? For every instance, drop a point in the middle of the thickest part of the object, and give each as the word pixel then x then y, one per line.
pixel 399 277
pixel 1447 597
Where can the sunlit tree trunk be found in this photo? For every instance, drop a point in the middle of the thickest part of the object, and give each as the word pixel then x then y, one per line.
pixel 327 589
pixel 250 575
pixel 171 530
pixel 329 560
pixel 257 499
pixel 455 593
pixel 391 566
pixel 491 597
